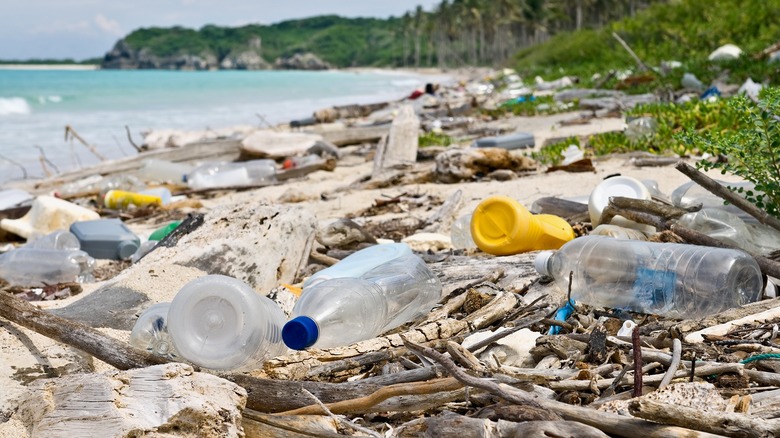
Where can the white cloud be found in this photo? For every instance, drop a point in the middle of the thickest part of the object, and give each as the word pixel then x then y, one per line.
pixel 108 25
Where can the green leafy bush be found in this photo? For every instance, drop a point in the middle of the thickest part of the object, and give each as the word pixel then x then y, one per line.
pixel 434 139
pixel 551 155
pixel 752 151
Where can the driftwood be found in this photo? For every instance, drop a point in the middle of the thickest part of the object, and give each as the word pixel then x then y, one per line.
pixel 722 423
pixel 443 218
pixel 260 425
pixel 402 143
pixel 723 192
pixel 354 135
pixel 610 423
pixel 451 425
pixel 81 336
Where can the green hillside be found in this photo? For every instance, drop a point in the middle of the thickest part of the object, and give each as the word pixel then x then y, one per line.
pixel 343 42
pixel 682 30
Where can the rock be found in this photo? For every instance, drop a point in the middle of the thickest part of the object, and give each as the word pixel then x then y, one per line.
pixel 168 399
pixel 262 245
pixel 271 144
pixel 725 53
pixel 324 149
pixel 246 60
pixel 502 175
pixel 423 242
pixel 292 196
pixel 464 164
pixel 301 61
pixel 343 234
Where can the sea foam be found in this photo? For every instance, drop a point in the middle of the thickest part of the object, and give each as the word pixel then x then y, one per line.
pixel 13 105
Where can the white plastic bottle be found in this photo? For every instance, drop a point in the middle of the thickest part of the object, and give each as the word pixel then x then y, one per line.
pixel 36 267
pixel 618 232
pixel 150 332
pixel 221 323
pixel 460 234
pixel 674 280
pixel 246 173
pixel 360 262
pixel 342 311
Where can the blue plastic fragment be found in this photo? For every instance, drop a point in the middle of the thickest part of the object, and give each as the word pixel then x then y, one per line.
pixel 562 315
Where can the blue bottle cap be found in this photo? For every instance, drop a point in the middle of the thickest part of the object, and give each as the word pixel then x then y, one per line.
pixel 300 333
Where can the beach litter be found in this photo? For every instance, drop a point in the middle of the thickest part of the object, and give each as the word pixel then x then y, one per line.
pixel 453 339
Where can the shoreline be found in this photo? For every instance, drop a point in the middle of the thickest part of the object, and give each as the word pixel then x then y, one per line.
pixel 78 67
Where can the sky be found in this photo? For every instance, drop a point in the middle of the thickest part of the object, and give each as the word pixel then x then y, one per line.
pixel 82 29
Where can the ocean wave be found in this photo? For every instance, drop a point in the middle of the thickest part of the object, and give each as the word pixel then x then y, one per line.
pixel 43 100
pixel 13 105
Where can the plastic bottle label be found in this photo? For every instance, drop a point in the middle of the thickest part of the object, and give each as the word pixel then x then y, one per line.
pixel 653 289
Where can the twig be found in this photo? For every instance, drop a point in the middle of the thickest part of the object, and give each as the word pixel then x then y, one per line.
pixel 363 404
pixel 16 163
pixel 323 259
pixel 609 391
pixel 263 119
pixel 724 192
pixel 130 139
pixel 693 366
pixel 637 362
pixel 523 323
pixel 642 65
pixel 341 420
pixel 676 355
pixel 70 133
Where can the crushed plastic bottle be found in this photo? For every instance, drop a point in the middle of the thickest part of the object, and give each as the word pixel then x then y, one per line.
pixel 360 262
pixel 221 323
pixel 729 228
pixel 341 311
pixel 38 267
pixel 673 280
pixel 640 128
pixel 618 232
pixel 150 332
pixel 692 194
pixel 60 239
pixel 246 173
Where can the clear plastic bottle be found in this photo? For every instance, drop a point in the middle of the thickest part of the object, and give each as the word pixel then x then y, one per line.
pixel 728 227
pixel 674 280
pixel 460 234
pixel 150 332
pixel 37 267
pixel 360 262
pixel 60 239
pixel 164 171
pixel 246 173
pixel 691 194
pixel 221 323
pixel 342 311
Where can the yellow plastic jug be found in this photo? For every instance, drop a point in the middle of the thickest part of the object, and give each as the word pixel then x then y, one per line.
pixel 120 199
pixel 502 226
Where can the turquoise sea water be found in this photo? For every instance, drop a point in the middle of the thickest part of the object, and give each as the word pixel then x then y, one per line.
pixel 35 106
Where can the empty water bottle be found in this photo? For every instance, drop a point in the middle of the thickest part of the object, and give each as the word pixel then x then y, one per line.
pixel 460 234
pixel 341 311
pixel 37 267
pixel 150 332
pixel 730 228
pixel 674 280
pixel 247 173
pixel 221 323
pixel 60 239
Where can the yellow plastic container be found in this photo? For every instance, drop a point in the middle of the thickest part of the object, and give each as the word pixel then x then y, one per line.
pixel 119 199
pixel 502 226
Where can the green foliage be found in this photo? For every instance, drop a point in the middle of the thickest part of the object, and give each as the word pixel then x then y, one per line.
pixel 435 139
pixel 668 121
pixel 752 152
pixel 343 42
pixel 552 154
pixel 533 106
pixel 685 30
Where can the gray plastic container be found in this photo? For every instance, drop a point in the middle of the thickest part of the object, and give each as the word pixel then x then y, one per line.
pixel 517 140
pixel 106 238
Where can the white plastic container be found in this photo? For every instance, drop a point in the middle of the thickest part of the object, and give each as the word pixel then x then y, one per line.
pixel 342 311
pixel 221 323
pixel 460 234
pixel 246 173
pixel 618 232
pixel 360 262
pixel 47 214
pixel 624 186
pixel 673 280
pixel 38 267
pixel 150 332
